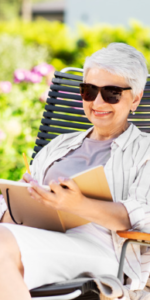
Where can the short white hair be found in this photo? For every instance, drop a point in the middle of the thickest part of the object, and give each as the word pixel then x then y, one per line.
pixel 122 60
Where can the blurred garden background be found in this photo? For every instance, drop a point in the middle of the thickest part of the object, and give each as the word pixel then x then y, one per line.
pixel 30 51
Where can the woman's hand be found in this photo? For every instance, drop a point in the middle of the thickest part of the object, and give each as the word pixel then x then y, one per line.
pixel 111 215
pixel 27 178
pixel 65 196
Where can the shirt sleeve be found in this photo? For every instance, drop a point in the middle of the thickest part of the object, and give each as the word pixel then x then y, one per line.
pixel 138 202
pixel 3 206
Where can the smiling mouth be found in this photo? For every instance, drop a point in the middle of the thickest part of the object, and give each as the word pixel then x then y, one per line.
pixel 102 113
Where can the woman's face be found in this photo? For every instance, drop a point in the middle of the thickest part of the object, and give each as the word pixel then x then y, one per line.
pixel 109 119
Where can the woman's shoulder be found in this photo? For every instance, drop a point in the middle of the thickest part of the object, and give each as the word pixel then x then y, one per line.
pixel 141 148
pixel 64 141
pixel 139 134
pixel 144 137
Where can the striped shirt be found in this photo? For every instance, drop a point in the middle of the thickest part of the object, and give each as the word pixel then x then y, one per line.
pixel 127 172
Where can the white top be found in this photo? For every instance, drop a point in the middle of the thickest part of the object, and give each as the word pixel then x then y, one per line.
pixel 127 172
pixel 90 154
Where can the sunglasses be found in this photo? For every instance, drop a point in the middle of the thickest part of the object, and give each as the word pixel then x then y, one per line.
pixel 110 94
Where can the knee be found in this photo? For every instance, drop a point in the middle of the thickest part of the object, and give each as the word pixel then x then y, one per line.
pixel 9 250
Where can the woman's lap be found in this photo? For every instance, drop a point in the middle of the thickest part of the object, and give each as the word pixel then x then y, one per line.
pixel 50 256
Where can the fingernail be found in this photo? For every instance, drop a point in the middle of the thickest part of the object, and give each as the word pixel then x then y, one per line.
pixel 62 178
pixel 53 181
pixel 33 183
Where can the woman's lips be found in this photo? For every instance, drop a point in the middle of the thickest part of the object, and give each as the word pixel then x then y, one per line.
pixel 101 113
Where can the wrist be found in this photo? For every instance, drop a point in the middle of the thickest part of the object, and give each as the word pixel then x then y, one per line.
pixel 84 207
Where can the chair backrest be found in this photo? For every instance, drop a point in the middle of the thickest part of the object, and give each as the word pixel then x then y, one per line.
pixel 64 113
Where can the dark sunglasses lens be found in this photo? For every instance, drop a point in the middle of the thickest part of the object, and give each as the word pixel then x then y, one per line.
pixel 110 94
pixel 88 92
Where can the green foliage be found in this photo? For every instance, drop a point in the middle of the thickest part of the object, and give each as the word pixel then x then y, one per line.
pixel 9 9
pixel 16 54
pixel 25 44
pixel 20 115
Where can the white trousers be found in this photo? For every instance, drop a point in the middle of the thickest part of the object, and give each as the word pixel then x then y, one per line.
pixel 49 256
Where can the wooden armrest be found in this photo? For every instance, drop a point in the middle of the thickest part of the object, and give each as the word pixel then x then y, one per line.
pixel 134 235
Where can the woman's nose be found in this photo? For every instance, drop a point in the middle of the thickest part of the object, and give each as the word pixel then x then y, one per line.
pixel 99 99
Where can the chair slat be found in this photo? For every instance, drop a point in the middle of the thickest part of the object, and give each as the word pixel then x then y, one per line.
pixel 145 101
pixel 66 117
pixel 146 95
pixel 68 76
pixel 64 102
pixel 65 82
pixel 139 116
pixel 41 142
pixel 36 149
pixel 64 95
pixel 145 129
pixel 54 129
pixel 143 109
pixel 147 84
pixel 68 89
pixel 64 109
pixel 65 124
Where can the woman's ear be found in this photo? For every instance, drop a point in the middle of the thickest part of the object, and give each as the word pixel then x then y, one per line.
pixel 136 101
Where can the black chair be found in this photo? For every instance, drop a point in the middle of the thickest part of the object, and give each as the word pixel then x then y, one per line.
pixel 64 114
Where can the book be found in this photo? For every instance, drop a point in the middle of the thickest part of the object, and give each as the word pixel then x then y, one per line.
pixel 28 212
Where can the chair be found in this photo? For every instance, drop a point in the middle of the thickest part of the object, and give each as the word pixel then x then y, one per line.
pixel 64 114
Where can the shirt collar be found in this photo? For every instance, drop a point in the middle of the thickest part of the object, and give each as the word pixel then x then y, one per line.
pixel 80 137
pixel 123 140
pixel 128 136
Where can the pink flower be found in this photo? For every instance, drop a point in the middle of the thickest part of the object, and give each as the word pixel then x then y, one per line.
pixel 5 87
pixel 43 69
pixel 21 75
pixel 34 77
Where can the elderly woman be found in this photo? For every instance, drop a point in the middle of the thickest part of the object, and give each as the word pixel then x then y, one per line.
pixel 114 79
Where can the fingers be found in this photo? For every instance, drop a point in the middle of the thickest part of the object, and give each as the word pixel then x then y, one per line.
pixel 21 180
pixel 55 186
pixel 69 183
pixel 39 193
pixel 58 197
pixel 27 178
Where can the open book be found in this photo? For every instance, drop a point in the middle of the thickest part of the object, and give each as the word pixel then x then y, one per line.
pixel 27 211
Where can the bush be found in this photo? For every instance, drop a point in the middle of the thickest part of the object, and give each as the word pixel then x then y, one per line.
pixel 16 54
pixel 24 45
pixel 20 115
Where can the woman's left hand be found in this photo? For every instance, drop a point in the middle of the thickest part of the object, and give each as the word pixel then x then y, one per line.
pixel 69 199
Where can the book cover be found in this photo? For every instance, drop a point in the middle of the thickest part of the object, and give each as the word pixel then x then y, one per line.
pixel 27 211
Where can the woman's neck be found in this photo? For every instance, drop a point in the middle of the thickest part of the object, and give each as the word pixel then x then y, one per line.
pixel 99 134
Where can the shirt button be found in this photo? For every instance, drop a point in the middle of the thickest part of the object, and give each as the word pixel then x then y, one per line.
pixel 113 146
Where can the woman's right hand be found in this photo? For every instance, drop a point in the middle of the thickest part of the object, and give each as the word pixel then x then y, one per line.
pixel 27 178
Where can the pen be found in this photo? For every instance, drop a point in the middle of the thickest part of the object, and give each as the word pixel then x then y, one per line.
pixel 26 163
